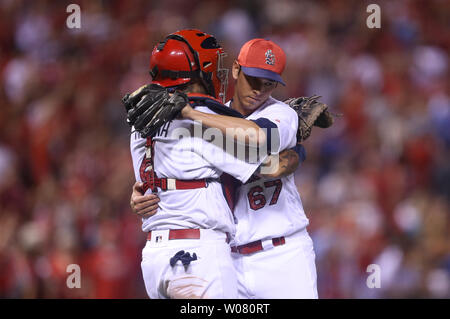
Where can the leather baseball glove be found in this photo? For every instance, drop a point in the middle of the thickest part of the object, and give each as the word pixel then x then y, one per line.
pixel 151 106
pixel 310 113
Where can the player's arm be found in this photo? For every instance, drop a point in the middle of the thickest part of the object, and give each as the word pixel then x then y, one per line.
pixel 241 130
pixel 143 205
pixel 149 107
pixel 284 164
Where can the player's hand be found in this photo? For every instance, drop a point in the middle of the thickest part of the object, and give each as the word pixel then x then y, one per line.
pixel 186 111
pixel 143 205
pixel 151 106
pixel 284 164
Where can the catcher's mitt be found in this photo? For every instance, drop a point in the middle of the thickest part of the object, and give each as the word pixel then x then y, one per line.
pixel 310 112
pixel 151 106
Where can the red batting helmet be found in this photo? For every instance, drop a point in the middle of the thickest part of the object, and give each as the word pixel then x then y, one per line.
pixel 187 55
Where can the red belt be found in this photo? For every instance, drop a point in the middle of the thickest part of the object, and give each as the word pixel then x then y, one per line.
pixel 193 233
pixel 172 183
pixel 180 234
pixel 255 246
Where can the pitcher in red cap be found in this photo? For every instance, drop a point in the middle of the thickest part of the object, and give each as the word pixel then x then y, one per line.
pixel 258 71
pixel 272 250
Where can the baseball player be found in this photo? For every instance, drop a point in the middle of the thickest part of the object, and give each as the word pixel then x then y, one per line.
pixel 272 251
pixel 187 253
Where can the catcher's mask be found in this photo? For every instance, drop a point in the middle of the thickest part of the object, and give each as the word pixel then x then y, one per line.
pixel 188 55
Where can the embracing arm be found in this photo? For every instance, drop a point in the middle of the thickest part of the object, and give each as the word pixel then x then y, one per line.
pixel 242 130
pixel 143 205
pixel 284 164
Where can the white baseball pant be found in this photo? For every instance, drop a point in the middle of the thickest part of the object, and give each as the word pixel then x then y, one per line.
pixel 282 272
pixel 211 275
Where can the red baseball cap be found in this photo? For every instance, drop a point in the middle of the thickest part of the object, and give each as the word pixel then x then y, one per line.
pixel 262 59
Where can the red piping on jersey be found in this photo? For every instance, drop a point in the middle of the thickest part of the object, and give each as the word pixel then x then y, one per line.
pixel 229 190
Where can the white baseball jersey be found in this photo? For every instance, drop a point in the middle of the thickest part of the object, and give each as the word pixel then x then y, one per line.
pixel 268 208
pixel 190 157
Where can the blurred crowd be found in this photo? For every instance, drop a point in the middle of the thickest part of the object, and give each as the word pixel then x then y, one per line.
pixel 375 186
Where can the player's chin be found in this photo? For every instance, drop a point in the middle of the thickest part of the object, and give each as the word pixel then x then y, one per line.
pixel 252 103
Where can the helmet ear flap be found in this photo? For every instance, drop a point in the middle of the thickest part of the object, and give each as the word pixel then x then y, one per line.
pixel 172 63
pixel 205 77
pixel 201 49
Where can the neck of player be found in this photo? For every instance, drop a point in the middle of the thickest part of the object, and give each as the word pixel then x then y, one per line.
pixel 237 105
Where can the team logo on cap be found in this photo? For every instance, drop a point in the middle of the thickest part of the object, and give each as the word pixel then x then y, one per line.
pixel 270 57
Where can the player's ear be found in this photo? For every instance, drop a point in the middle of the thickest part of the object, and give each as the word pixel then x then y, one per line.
pixel 235 70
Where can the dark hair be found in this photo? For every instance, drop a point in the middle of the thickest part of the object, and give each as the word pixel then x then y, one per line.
pixel 187 87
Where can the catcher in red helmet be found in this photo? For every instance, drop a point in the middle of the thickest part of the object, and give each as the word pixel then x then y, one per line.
pixel 187 254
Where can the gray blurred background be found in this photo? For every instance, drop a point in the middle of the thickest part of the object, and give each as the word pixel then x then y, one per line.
pixel 375 186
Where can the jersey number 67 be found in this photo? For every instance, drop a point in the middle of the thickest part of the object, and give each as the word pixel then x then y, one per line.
pixel 257 198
